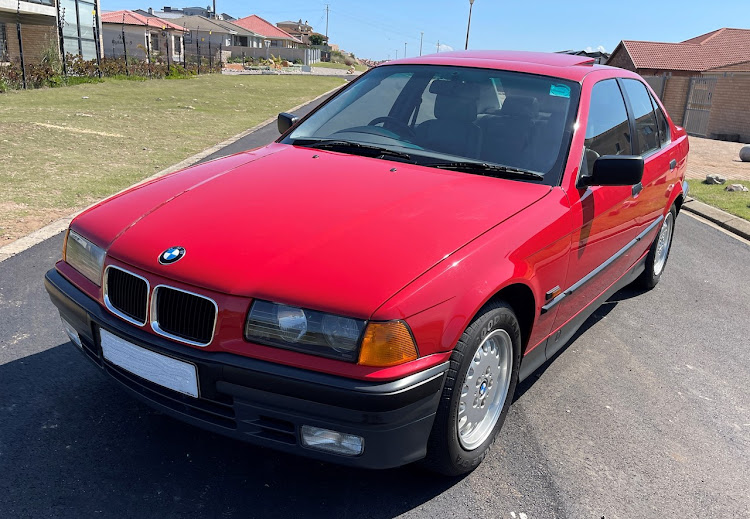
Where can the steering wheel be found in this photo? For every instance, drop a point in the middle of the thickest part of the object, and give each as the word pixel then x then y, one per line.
pixel 406 132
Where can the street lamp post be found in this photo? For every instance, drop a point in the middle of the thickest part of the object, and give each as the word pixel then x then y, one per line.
pixel 468 26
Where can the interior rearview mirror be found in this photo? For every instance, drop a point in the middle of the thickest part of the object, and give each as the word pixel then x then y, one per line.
pixel 615 170
pixel 286 121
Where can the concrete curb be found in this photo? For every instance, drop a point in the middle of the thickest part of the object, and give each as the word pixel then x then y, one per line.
pixel 50 230
pixel 731 223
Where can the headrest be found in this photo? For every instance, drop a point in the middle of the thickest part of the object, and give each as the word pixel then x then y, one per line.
pixel 455 100
pixel 521 106
pixel 454 89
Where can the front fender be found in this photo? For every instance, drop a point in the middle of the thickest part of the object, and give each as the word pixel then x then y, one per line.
pixel 531 248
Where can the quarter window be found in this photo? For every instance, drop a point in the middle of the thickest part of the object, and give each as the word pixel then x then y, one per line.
pixel 646 128
pixel 607 128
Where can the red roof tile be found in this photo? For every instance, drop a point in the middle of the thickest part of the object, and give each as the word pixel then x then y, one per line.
pixel 257 24
pixel 131 18
pixel 709 51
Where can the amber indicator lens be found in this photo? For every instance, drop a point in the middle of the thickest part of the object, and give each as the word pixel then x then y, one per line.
pixel 387 344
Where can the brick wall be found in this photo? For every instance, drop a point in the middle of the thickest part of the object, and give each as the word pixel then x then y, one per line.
pixel 675 96
pixel 620 58
pixel 730 107
pixel 36 39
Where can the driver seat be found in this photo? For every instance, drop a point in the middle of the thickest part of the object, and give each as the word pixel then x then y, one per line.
pixel 454 129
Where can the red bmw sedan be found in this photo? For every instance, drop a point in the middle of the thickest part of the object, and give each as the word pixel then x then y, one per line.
pixel 370 288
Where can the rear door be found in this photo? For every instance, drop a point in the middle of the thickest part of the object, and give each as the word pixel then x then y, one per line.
pixel 651 140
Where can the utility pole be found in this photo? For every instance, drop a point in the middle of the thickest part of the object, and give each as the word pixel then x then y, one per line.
pixel 60 22
pixel 438 46
pixel 421 37
pixel 20 44
pixel 327 22
pixel 396 53
pixel 468 25
pixel 404 49
pixel 125 45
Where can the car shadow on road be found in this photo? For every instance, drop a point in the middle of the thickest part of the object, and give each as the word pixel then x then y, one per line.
pixel 600 313
pixel 101 453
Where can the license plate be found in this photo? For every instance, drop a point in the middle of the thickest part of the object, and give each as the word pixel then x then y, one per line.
pixel 162 370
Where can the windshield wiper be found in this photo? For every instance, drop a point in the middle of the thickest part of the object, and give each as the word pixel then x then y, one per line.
pixel 496 170
pixel 350 145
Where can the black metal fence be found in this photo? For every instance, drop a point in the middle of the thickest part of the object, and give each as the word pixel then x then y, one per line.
pixel 74 69
pixel 51 69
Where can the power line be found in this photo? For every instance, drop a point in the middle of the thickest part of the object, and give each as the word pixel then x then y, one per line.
pixel 371 23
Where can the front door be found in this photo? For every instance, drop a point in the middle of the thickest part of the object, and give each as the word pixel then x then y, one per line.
pixel 606 218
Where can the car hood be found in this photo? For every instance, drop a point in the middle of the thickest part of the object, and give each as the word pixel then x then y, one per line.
pixel 314 228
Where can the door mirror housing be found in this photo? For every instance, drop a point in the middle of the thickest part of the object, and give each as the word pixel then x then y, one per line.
pixel 615 170
pixel 286 121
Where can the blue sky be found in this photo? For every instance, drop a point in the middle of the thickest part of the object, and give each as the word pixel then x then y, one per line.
pixel 378 29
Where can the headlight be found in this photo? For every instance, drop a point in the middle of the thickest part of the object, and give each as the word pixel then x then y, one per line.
pixel 304 330
pixel 84 256
pixel 377 344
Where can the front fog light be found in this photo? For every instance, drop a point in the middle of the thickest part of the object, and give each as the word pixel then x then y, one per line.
pixel 332 441
pixel 72 333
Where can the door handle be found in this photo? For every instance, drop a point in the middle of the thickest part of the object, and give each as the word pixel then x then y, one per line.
pixel 637 189
pixel 672 164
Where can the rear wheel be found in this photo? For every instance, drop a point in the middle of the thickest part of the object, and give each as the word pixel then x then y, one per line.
pixel 657 256
pixel 478 390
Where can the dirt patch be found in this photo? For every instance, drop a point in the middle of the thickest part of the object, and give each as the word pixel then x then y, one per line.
pixel 17 220
pixel 79 130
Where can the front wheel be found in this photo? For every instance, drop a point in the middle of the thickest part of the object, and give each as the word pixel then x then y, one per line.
pixel 657 256
pixel 478 390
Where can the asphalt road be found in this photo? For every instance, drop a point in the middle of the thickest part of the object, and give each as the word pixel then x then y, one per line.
pixel 645 414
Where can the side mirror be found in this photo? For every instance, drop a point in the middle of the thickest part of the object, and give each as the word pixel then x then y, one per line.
pixel 286 121
pixel 615 170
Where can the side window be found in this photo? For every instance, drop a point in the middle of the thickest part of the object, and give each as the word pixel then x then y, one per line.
pixel 607 129
pixel 661 120
pixel 646 130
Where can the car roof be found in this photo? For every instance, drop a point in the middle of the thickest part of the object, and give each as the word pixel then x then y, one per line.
pixel 565 66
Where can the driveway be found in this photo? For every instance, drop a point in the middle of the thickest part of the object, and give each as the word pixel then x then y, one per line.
pixel 645 414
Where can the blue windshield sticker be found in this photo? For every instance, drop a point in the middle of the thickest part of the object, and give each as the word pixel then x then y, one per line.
pixel 559 91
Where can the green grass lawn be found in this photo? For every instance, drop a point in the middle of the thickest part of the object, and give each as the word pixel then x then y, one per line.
pixel 323 64
pixel 737 204
pixel 62 149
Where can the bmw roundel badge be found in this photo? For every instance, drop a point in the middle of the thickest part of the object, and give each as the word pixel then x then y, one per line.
pixel 171 255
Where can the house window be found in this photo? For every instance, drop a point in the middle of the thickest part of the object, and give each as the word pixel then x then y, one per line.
pixel 78 27
pixel 3 43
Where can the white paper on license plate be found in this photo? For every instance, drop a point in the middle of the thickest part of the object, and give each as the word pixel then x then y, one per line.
pixel 167 372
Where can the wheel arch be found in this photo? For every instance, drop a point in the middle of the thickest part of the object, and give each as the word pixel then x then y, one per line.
pixel 679 201
pixel 521 299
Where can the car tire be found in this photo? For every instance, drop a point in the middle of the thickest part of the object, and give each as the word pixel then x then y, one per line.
pixel 658 254
pixel 485 365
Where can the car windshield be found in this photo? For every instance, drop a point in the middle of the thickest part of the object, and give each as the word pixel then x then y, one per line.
pixel 481 121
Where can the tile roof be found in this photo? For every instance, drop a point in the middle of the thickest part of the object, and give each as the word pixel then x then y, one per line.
pixel 131 18
pixel 208 24
pixel 715 49
pixel 257 24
